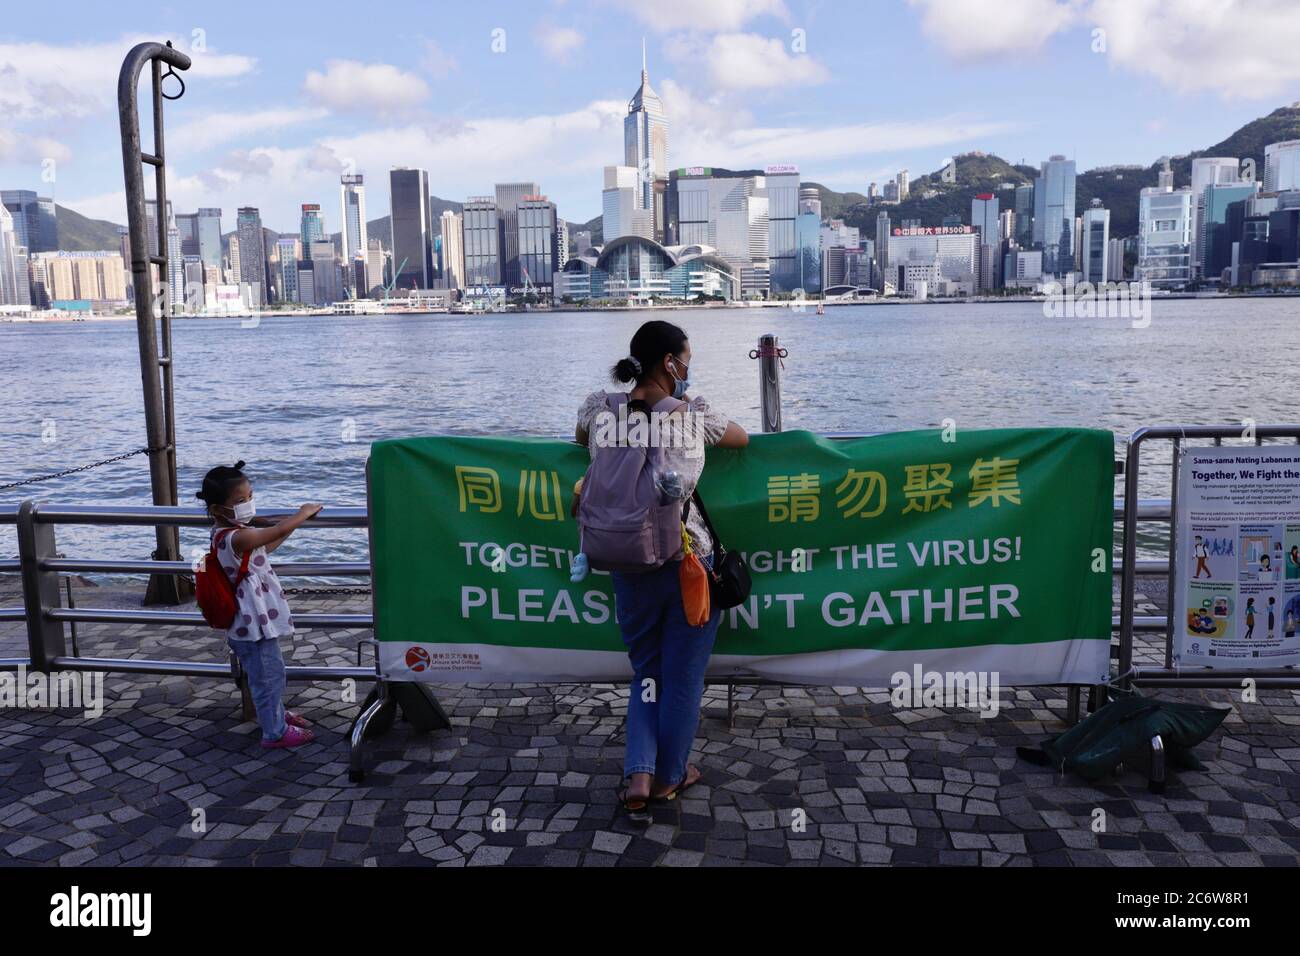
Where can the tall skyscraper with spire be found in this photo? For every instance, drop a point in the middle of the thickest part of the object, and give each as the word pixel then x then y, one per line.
pixel 645 144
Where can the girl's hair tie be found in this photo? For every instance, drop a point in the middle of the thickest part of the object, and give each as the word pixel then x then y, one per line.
pixel 636 364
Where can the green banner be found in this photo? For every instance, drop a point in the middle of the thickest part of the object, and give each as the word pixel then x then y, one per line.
pixel 955 550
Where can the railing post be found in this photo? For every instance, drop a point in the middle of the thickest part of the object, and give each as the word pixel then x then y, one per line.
pixel 769 382
pixel 40 588
pixel 155 369
pixel 1128 569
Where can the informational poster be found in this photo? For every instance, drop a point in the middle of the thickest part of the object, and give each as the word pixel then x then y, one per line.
pixel 1237 538
pixel 969 551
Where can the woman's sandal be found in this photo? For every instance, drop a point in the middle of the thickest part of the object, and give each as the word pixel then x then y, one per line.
pixel 637 809
pixel 683 786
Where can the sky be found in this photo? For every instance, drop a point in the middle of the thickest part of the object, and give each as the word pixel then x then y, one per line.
pixel 281 98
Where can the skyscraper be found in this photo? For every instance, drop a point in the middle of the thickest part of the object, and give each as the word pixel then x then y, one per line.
pixel 252 254
pixel 412 228
pixel 453 250
pixel 1054 215
pixel 1281 166
pixel 882 249
pixel 311 227
pixel 782 187
pixel 352 191
pixel 375 268
pixel 482 236
pixel 645 142
pixel 1164 235
pixel 1094 246
pixel 1207 171
pixel 538 242
pixel 209 230
pixel 1024 224
pixel 288 252
pixel 35 224
pixel 984 217
pixel 621 215
pixel 14 282
pixel 509 196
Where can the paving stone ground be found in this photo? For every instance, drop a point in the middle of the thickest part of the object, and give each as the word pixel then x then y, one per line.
pixel 873 785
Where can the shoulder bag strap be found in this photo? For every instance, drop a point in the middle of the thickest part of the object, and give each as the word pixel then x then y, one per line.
pixel 243 562
pixel 699 504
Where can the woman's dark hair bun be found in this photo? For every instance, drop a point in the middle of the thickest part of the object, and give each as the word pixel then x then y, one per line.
pixel 624 370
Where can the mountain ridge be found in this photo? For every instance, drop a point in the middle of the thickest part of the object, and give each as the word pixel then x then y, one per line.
pixel 977 172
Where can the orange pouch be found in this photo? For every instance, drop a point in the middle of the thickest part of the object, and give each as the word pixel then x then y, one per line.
pixel 695 590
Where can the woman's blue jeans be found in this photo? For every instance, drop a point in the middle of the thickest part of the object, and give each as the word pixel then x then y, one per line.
pixel 668 661
pixel 264 665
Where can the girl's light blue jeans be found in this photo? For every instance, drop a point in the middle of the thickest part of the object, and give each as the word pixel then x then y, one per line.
pixel 668 658
pixel 264 665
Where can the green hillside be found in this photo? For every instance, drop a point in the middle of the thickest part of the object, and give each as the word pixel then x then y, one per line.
pixel 77 233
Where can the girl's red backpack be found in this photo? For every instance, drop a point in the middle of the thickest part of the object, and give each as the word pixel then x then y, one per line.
pixel 213 590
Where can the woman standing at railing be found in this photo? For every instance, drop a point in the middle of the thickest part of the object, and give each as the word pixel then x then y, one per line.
pixel 668 654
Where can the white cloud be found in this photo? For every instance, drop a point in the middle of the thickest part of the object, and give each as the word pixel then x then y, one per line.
pixel 702 15
pixel 110 206
pixel 1238 48
pixel 436 61
pixel 981 29
pixel 348 85
pixel 46 81
pixel 214 128
pixel 741 61
pixel 30 148
pixel 560 43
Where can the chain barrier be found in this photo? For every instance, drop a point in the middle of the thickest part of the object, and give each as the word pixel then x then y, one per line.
pixel 73 471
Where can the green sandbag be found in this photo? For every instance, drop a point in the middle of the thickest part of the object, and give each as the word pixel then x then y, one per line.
pixel 1121 732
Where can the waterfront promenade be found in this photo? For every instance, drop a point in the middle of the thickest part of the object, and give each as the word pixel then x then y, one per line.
pixel 877 785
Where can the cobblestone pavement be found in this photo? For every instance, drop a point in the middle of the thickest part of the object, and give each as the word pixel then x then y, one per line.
pixel 876 786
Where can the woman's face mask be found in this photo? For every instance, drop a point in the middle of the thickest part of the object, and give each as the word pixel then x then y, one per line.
pixel 680 385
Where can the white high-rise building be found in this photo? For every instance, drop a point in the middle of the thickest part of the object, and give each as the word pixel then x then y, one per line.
pixel 1165 236
pixel 1282 166
pixel 453 250
pixel 375 267
pixel 1207 171
pixel 622 216
pixel 352 192
pixel 14 282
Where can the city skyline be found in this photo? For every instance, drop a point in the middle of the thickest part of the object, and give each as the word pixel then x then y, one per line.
pixel 746 83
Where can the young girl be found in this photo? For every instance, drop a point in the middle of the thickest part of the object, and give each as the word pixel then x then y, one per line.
pixel 263 616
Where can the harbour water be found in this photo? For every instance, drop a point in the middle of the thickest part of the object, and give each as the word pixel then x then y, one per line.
pixel 301 398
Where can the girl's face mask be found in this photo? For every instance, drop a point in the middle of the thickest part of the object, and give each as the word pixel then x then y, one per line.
pixel 244 510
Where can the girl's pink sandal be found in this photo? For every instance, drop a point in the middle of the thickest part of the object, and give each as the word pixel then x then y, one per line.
pixel 293 737
pixel 296 720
